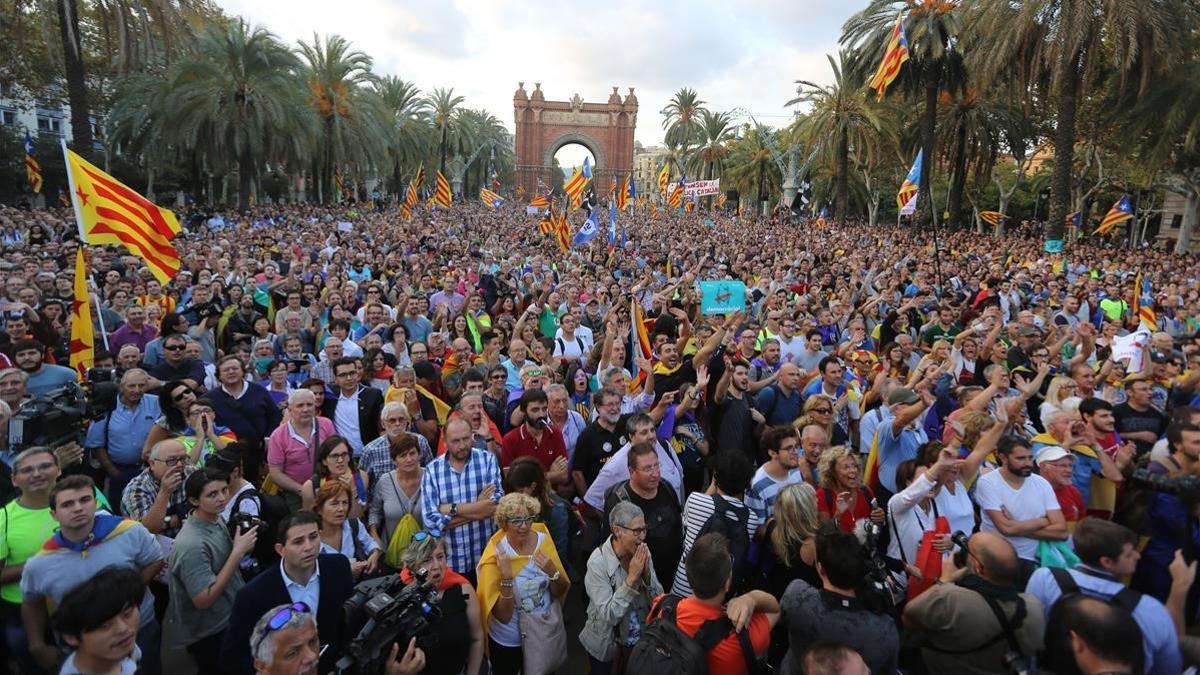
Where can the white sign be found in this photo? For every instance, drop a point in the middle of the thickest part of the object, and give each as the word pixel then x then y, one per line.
pixel 702 188
pixel 344 226
pixel 909 208
pixel 1129 348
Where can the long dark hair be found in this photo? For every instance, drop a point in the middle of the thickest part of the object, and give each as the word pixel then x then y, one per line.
pixel 176 421
pixel 524 472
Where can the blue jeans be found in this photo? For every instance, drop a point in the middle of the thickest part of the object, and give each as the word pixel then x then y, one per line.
pixel 149 640
pixel 17 642
pixel 116 486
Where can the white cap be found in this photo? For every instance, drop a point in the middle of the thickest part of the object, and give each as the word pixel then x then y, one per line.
pixel 1049 454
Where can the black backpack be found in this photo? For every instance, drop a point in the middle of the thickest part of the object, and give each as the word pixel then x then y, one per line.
pixel 664 649
pixel 1057 654
pixel 271 510
pixel 735 531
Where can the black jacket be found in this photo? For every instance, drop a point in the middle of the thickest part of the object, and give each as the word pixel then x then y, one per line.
pixel 267 590
pixel 370 409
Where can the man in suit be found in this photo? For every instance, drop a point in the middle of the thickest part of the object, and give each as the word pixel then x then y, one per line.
pixel 323 582
pixel 356 409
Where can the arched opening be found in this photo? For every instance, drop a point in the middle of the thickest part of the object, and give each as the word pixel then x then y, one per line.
pixel 568 157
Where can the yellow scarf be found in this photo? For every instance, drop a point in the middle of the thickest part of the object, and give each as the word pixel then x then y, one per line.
pixel 661 368
pixel 489 574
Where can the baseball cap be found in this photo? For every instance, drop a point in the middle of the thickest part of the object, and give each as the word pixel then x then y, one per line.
pixel 902 395
pixel 1050 453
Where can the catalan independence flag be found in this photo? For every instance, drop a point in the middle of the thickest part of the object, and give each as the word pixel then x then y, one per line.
pixel 894 56
pixel 908 189
pixel 640 346
pixel 414 186
pixel 623 194
pixel 574 187
pixel 1073 219
pixel 992 218
pixel 539 202
pixel 562 231
pixel 491 198
pixel 108 212
pixel 664 177
pixel 1143 310
pixel 33 170
pixel 442 196
pixel 83 351
pixel 1120 212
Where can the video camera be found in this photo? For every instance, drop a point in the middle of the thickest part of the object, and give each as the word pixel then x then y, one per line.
pixel 1186 488
pixel 880 593
pixel 385 611
pixel 51 419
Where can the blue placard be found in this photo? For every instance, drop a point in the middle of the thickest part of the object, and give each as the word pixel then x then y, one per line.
pixel 722 297
pixel 1054 245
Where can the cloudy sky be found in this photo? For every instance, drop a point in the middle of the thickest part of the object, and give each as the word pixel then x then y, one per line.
pixel 736 55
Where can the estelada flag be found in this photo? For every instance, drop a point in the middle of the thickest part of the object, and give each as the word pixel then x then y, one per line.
pixel 539 202
pixel 33 170
pixel 83 351
pixel 1120 212
pixel 894 56
pixel 109 212
pixel 992 217
pixel 442 196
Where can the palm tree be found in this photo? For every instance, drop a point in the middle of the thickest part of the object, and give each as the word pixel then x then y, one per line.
pixel 841 118
pixel 969 126
pixel 354 120
pixel 751 167
pixel 76 75
pixel 444 105
pixel 934 29
pixel 681 118
pixel 1076 41
pixel 708 159
pixel 410 134
pixel 238 97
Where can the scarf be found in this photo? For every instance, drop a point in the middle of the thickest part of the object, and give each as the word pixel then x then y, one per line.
pixel 488 573
pixel 449 578
pixel 661 368
pixel 104 527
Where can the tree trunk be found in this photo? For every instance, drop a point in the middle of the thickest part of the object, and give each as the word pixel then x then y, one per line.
pixel 81 123
pixel 1064 147
pixel 842 188
pixel 959 181
pixel 925 206
pixel 442 152
pixel 245 176
pixel 327 160
pixel 1188 226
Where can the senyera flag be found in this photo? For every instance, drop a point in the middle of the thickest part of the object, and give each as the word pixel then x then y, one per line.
pixel 83 351
pixel 109 212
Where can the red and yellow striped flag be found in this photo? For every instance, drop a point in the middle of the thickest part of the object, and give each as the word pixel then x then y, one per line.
pixel 33 170
pixel 442 196
pixel 562 232
pixel 83 351
pixel 574 187
pixel 664 177
pixel 411 198
pixel 623 195
pixel 405 210
pixel 894 56
pixel 676 198
pixel 539 202
pixel 109 212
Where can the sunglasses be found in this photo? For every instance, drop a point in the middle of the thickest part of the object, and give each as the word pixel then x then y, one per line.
pixel 279 619
pixel 823 411
pixel 174 348
pixel 181 395
pixel 427 534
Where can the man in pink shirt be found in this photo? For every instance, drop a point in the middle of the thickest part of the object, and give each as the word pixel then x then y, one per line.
pixel 292 447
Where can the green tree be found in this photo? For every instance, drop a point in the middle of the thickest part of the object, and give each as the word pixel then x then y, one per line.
pixel 444 105
pixel 934 30
pixel 353 118
pixel 1075 42
pixel 751 167
pixel 411 131
pixel 708 159
pixel 237 99
pixel 841 118
pixel 681 119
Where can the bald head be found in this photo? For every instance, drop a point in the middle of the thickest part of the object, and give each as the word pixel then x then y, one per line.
pixel 997 557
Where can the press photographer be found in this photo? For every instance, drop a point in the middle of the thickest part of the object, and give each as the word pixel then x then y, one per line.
pixel 975 619
pixel 1171 492
pixel 428 602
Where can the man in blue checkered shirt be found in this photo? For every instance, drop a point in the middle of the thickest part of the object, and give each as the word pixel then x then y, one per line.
pixel 459 493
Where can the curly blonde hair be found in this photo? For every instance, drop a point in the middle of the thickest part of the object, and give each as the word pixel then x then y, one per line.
pixel 516 505
pixel 829 459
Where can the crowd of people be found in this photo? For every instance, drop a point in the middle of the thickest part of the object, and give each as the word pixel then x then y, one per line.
pixel 905 453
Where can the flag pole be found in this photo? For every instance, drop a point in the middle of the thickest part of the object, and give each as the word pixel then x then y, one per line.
pixel 82 236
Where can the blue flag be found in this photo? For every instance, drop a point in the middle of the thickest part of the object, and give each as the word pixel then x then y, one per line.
pixel 587 168
pixel 588 231
pixel 612 224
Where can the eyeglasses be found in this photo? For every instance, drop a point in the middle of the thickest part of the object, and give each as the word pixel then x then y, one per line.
pixel 279 619
pixel 346 373
pixel 338 455
pixel 653 468
pixel 823 411
pixel 499 377
pixel 395 420
pixel 521 522
pixel 536 372
pixel 172 461
pixel 174 348
pixel 636 531
pixel 426 534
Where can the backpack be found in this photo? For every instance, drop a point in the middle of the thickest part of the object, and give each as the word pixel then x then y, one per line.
pixel 1057 654
pixel 735 531
pixel 664 649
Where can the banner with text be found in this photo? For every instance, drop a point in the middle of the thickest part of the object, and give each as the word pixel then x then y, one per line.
pixel 702 188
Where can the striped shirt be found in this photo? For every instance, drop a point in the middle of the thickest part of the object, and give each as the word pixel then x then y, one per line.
pixel 764 488
pixel 443 484
pixel 696 512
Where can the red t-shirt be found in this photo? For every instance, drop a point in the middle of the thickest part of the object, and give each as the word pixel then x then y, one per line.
pixel 726 658
pixel 859 510
pixel 519 443
pixel 1070 500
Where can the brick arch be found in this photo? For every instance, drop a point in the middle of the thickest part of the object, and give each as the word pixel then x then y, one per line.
pixel 542 127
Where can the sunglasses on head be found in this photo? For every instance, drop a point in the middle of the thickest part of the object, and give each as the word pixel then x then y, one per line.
pixel 426 534
pixel 279 619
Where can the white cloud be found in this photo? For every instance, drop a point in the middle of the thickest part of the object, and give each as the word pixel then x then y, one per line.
pixel 736 55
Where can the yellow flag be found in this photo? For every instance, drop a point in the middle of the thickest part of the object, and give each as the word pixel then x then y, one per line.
pixel 83 351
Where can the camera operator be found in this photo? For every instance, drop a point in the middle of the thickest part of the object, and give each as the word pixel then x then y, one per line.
pixel 459 630
pixel 835 612
pixel 285 641
pixel 204 576
pixel 975 619
pixel 322 582
pixel 1169 516
pixel 116 439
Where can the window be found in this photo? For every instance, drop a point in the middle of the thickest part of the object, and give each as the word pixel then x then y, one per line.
pixel 49 125
pixel 8 116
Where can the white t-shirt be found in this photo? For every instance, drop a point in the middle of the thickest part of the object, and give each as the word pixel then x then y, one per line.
pixel 1034 500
